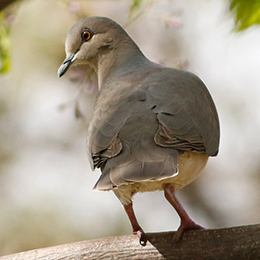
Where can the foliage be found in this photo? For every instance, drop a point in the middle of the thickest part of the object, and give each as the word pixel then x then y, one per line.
pixel 137 9
pixel 247 13
pixel 135 5
pixel 4 45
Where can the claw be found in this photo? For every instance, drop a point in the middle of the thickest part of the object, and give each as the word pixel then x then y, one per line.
pixel 185 226
pixel 142 238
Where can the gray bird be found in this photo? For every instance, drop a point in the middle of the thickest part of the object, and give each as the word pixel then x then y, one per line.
pixel 153 127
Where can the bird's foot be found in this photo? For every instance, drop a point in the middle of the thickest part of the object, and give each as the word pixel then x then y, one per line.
pixel 185 225
pixel 142 237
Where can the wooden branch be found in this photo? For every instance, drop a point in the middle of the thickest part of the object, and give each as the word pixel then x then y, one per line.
pixel 228 243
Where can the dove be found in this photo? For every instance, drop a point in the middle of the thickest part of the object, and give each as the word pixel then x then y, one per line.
pixel 153 127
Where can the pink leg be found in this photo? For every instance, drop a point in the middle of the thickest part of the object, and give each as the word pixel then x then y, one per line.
pixel 186 221
pixel 136 227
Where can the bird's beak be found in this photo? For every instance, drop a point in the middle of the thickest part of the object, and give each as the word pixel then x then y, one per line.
pixel 66 64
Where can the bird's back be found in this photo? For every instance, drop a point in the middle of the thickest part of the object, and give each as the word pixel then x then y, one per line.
pixel 141 126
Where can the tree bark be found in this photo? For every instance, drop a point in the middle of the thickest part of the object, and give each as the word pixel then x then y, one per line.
pixel 227 243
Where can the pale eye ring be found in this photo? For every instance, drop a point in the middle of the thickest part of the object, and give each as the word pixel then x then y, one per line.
pixel 86 34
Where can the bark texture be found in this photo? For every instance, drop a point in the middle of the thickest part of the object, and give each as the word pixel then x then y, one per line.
pixel 227 243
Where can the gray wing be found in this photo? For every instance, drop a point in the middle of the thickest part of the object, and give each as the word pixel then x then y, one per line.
pixel 186 114
pixel 111 114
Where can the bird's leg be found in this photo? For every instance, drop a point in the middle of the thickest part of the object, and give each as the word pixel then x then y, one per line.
pixel 131 215
pixel 136 227
pixel 186 221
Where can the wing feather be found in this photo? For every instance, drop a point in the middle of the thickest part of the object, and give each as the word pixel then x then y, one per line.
pixel 186 114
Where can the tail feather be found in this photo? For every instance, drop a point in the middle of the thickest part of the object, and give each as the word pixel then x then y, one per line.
pixel 116 174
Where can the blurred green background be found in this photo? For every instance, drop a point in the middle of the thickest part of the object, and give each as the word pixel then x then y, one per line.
pixel 45 179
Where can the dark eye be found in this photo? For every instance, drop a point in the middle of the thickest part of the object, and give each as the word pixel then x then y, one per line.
pixel 86 34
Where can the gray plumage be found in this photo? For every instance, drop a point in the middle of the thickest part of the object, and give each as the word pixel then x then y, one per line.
pixel 146 116
pixel 134 130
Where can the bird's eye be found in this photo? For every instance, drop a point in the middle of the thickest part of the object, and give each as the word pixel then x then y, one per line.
pixel 86 34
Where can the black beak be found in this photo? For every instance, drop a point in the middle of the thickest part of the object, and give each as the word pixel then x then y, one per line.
pixel 66 64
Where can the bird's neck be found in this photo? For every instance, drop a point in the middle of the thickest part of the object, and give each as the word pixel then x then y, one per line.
pixel 116 62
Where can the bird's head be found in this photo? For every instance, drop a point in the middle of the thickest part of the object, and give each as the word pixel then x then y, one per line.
pixel 89 39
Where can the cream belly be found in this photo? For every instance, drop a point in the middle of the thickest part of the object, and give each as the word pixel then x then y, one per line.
pixel 190 165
